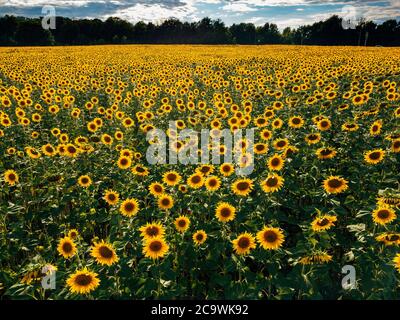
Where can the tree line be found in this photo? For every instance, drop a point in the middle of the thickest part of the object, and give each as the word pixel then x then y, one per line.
pixel 29 31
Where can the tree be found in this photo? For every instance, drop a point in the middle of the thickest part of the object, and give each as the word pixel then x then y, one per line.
pixel 287 35
pixel 268 34
pixel 243 33
pixel 30 32
pixel 389 33
pixel 8 26
pixel 116 28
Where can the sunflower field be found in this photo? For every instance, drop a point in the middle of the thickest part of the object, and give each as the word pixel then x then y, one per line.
pixel 79 200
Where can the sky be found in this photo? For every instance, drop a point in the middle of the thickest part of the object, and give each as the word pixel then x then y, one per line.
pixel 284 13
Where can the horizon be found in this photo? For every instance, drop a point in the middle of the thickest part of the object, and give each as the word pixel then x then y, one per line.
pixel 283 13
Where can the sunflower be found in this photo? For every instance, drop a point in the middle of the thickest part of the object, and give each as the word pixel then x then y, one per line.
pixel 343 107
pixel 199 237
pixel 375 128
pixel 296 122
pixel 266 134
pixel 270 238
pixel 335 184
pixel 242 187
pixel 80 141
pixel 225 212
pixel 205 169
pixel 64 138
pixel 244 243
pixel 322 223
pixel 272 183
pixel 126 153
pixel 183 188
pixel 119 135
pixel 180 124
pixel 106 139
pixel 11 177
pixel 383 215
pixel 182 223
pixel 324 124
pixel 66 247
pixel 62 149
pixel 260 148
pixel 357 100
pixel 393 136
pixel 260 121
pixel 313 138
pixel 396 146
pixel 104 253
pixel 212 183
pixel 275 162
pixel 281 144
pixel 48 150
pixel 6 122
pixel 226 169
pixel 222 149
pixel 269 113
pixel 140 170
pixel 374 156
pixel 195 181
pixel 326 153
pixel 388 201
pixel 241 145
pixel 124 162
pixel 129 207
pixel 277 123
pixel 389 238
pixel 128 122
pixel 397 112
pixel 350 126
pixel 156 189
pixel 31 276
pixel 71 150
pixel 73 234
pixel 33 153
pixel 152 230
pixel 83 281
pixel 155 248
pixel 165 201
pixel 111 197
pixel 244 160
pixel 396 261
pixel 84 181
pixel 316 258
pixel 11 150
pixel 176 145
pixel 171 178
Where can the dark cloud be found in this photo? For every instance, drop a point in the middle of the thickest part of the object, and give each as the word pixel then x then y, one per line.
pixel 89 9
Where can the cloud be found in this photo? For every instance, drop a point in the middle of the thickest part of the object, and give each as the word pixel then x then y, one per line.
pixel 257 21
pixel 154 13
pixel 238 7
pixel 148 10
pixel 290 22
pixel 304 3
